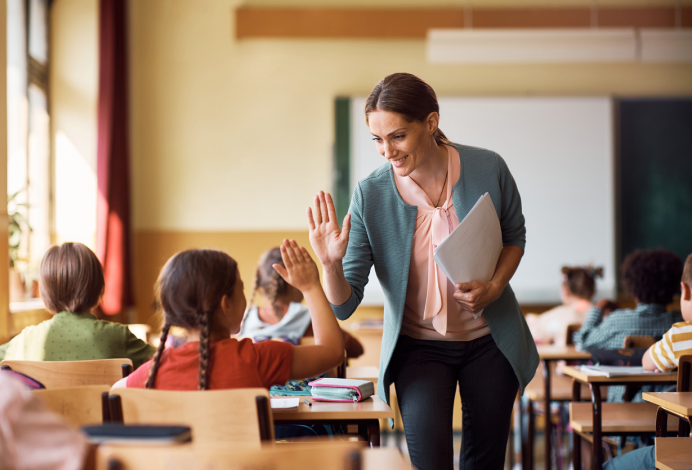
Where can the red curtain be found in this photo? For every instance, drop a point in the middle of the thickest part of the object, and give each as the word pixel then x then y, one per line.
pixel 113 169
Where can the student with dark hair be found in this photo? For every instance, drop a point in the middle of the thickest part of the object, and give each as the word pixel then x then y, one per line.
pixel 664 356
pixel 578 288
pixel 201 291
pixel 71 284
pixel 650 276
pixel 283 316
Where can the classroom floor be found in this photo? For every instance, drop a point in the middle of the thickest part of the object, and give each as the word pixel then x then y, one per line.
pixel 397 439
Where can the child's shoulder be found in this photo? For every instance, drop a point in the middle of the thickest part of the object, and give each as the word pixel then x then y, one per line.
pixel 685 326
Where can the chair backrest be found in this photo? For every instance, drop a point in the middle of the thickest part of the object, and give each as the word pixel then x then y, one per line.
pixel 336 455
pixel 79 406
pixel 571 329
pixel 61 374
pixel 339 371
pixel 685 374
pixel 217 417
pixel 638 342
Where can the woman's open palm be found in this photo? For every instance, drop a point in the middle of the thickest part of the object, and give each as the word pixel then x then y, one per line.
pixel 326 238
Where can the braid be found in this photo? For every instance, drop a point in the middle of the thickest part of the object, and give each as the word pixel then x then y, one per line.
pixel 157 357
pixel 255 288
pixel 204 333
pixel 274 292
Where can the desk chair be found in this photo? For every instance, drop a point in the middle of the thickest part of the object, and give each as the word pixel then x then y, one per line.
pixel 332 455
pixel 629 342
pixel 571 329
pixel 79 406
pixel 339 371
pixel 240 417
pixel 61 374
pixel 684 385
pixel 638 342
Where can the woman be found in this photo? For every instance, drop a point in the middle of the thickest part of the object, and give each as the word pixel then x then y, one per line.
pixel 431 340
pixel 578 289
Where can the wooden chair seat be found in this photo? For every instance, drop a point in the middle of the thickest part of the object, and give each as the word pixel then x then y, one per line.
pixel 79 406
pixel 674 453
pixel 617 418
pixel 62 374
pixel 216 417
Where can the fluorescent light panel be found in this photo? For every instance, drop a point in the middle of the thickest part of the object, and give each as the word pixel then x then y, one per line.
pixel 559 45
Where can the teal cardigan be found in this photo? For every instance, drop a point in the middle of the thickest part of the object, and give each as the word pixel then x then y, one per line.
pixel 382 226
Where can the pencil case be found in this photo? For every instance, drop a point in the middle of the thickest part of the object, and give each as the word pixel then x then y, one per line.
pixel 342 390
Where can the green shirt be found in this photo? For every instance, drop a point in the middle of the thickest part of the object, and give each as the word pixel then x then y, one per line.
pixel 76 337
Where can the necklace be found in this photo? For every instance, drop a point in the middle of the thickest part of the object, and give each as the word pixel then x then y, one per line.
pixel 443 188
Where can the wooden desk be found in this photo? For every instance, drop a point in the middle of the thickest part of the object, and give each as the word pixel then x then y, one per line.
pixel 366 414
pixel 674 453
pixel 595 382
pixel 548 354
pixel 676 403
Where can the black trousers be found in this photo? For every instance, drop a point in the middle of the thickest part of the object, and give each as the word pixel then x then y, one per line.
pixel 426 374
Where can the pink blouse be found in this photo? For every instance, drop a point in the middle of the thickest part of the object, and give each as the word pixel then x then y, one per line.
pixel 430 311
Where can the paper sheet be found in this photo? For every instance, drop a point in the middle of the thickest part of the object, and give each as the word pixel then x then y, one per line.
pixel 285 403
pixel 471 251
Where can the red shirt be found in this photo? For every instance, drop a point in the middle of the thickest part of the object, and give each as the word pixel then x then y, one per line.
pixel 232 364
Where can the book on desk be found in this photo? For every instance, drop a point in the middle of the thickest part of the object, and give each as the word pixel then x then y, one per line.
pixel 615 371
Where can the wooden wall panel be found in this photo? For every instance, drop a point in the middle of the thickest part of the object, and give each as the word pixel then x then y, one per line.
pixel 531 18
pixel 413 23
pixel 343 22
pixel 153 248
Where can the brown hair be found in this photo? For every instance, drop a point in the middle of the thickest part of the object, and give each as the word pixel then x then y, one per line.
pixel 189 291
pixel 652 276
pixel 581 281
pixel 268 280
pixel 71 278
pixel 408 95
pixel 687 271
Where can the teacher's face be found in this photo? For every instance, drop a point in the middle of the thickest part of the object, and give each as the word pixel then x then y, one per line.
pixel 404 144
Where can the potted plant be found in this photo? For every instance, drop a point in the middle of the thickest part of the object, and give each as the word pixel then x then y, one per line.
pixel 18 224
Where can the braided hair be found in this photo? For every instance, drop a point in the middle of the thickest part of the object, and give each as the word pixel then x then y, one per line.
pixel 268 281
pixel 188 293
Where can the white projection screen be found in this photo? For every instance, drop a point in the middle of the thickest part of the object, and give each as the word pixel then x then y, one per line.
pixel 560 152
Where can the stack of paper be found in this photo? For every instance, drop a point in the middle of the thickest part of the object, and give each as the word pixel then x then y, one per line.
pixel 285 403
pixel 615 371
pixel 471 251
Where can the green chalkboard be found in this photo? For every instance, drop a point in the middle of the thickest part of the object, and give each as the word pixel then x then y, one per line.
pixel 654 168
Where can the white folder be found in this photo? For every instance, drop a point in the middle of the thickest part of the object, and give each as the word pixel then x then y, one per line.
pixel 471 251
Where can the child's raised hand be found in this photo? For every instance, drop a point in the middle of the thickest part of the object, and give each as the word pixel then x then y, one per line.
pixel 301 270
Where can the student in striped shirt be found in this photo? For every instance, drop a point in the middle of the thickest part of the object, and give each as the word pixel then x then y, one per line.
pixel 665 354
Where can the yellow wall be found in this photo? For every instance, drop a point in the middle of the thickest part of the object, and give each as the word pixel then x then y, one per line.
pixel 231 139
pixel 237 135
pixel 74 95
pixel 4 221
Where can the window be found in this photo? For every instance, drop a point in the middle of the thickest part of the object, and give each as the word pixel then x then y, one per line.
pixel 28 160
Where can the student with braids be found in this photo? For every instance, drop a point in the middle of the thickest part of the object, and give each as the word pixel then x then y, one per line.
pixel 201 291
pixel 283 316
pixel 578 288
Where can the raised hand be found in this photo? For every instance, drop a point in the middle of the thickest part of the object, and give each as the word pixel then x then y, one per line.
pixel 326 238
pixel 301 270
